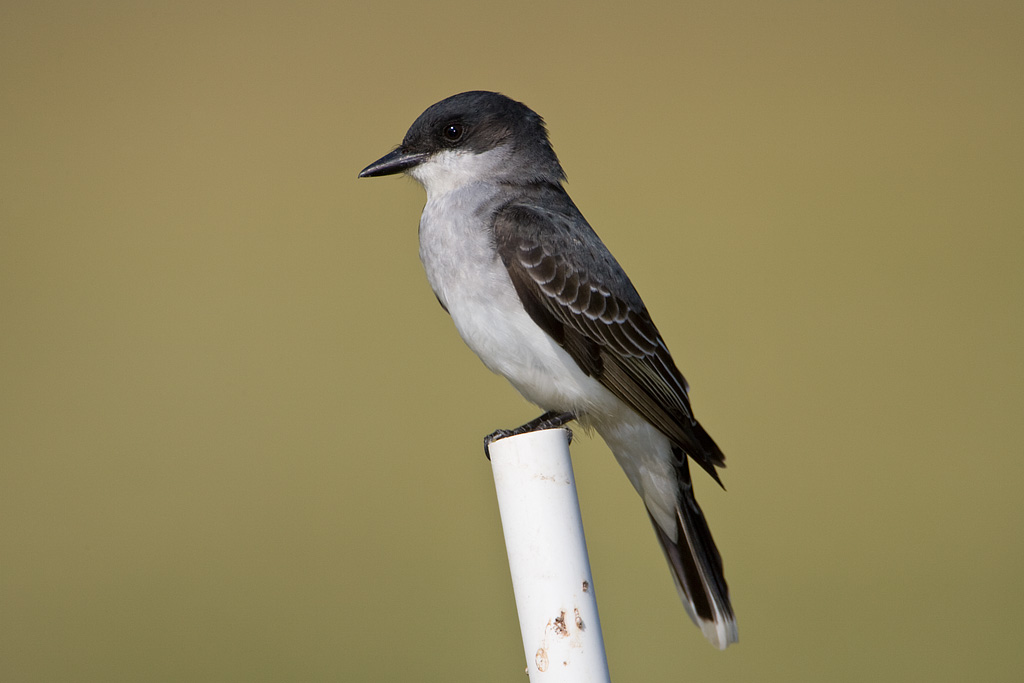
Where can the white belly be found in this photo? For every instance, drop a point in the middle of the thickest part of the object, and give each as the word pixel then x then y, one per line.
pixel 470 280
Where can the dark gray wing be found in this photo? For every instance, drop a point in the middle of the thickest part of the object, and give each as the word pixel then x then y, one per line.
pixel 574 290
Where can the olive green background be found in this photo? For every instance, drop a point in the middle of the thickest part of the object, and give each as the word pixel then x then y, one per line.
pixel 240 441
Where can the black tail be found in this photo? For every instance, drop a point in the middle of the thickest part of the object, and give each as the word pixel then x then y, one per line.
pixel 697 566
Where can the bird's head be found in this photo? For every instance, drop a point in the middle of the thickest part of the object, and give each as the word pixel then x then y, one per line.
pixel 476 136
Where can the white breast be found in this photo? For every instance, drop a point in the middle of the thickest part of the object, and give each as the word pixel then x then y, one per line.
pixel 470 280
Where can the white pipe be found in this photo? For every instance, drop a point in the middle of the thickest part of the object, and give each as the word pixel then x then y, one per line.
pixel 547 557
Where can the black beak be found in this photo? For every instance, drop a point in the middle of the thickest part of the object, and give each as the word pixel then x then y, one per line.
pixel 392 163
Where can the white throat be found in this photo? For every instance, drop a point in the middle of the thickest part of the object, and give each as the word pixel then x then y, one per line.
pixel 452 170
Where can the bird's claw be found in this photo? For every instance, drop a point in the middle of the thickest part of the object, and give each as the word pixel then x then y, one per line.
pixel 548 420
pixel 495 436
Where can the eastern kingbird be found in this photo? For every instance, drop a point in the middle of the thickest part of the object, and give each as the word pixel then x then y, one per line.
pixel 540 299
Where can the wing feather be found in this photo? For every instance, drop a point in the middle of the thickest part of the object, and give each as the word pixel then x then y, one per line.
pixel 574 290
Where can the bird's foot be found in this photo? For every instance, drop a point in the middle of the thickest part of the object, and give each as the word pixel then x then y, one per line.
pixel 549 420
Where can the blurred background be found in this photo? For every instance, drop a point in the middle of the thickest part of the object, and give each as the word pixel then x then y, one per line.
pixel 240 441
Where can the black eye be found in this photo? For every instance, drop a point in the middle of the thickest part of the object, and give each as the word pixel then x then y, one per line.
pixel 453 132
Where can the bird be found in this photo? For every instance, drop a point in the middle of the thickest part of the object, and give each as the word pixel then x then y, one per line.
pixel 536 294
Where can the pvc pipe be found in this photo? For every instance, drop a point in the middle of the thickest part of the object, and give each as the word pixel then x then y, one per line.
pixel 547 557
